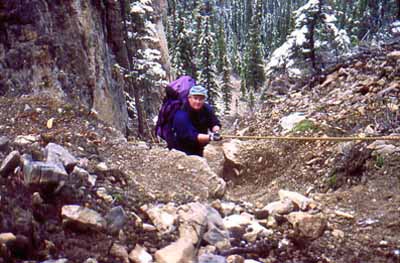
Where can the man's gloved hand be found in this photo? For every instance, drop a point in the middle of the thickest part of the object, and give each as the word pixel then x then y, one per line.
pixel 215 136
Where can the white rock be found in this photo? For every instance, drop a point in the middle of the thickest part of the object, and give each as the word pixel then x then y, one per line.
pixel 56 153
pixel 102 167
pixel 228 208
pixel 394 54
pixel 235 259
pixel 92 179
pixel 310 226
pixel 300 200
pixel 215 158
pixel 119 252
pixel 195 218
pixel 255 230
pixel 181 251
pixel 90 260
pixel 7 237
pixel 149 227
pixel 288 122
pixel 163 217
pixel 9 163
pixel 231 151
pixel 211 258
pixel 140 255
pixel 338 233
pixel 237 221
pixel 82 217
pixel 23 140
pixel 102 193
pixel 281 207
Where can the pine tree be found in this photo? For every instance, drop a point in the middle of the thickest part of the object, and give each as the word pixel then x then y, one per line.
pixel 182 53
pixel 254 64
pixel 221 47
pixel 234 55
pixel 243 83
pixel 206 68
pixel 226 87
pixel 315 34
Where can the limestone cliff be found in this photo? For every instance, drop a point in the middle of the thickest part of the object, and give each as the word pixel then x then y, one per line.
pixel 67 49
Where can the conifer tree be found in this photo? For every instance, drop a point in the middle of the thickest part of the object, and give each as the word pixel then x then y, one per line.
pixel 315 32
pixel 243 83
pixel 234 54
pixel 226 87
pixel 183 54
pixel 206 69
pixel 220 47
pixel 254 64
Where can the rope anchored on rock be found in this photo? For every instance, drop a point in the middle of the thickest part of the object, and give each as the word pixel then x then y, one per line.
pixel 325 138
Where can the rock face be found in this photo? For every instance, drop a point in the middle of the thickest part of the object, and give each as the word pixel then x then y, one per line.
pixel 67 49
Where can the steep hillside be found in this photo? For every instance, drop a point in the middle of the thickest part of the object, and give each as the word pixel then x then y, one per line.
pixel 359 98
pixel 73 189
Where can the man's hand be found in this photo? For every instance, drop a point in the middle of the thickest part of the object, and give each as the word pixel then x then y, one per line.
pixel 215 136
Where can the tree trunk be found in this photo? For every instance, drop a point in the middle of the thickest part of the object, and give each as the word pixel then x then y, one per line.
pixel 312 44
pixel 133 85
pixel 398 9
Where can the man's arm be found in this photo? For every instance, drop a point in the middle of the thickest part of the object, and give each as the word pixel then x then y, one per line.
pixel 203 139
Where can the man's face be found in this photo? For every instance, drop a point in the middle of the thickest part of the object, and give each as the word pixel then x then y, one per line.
pixel 196 102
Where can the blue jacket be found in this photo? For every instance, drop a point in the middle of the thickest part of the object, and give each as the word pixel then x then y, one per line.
pixel 187 124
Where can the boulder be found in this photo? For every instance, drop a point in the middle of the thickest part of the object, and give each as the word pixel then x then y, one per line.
pixel 231 151
pixel 198 221
pixel 162 216
pixel 24 140
pixel 394 55
pixel 307 225
pixel 254 231
pixel 281 207
pixel 82 218
pixel 116 219
pixel 210 258
pixel 233 163
pixel 119 252
pixel 56 153
pixel 187 178
pixel 4 144
pixel 43 174
pixel 235 259
pixel 7 237
pixel 10 163
pixel 181 251
pixel 237 221
pixel 215 158
pixel 140 255
pixel 300 200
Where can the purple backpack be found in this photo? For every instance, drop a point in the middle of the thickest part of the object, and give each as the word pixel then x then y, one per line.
pixel 176 94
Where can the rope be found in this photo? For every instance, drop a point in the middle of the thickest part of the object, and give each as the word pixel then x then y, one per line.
pixel 301 138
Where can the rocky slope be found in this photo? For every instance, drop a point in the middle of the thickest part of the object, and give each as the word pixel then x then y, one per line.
pixel 72 189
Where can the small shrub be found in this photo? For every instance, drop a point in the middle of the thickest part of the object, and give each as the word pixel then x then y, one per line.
pixel 118 197
pixel 332 181
pixel 379 161
pixel 304 126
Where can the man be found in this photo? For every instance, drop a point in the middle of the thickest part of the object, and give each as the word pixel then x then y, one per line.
pixel 193 121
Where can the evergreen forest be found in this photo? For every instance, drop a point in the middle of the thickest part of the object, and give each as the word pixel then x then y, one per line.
pixel 257 40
